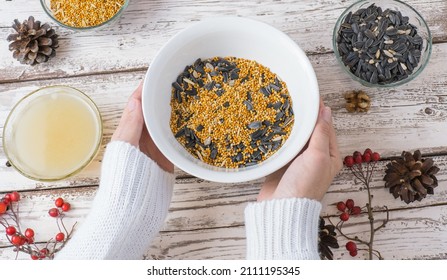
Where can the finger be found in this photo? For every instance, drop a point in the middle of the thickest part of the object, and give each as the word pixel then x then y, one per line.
pixel 138 92
pixel 131 123
pixel 320 138
pixel 336 158
pixel 333 144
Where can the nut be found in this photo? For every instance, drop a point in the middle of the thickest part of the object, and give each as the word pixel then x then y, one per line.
pixel 357 101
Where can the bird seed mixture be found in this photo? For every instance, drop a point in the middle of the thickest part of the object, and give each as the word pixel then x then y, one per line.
pixel 230 112
pixel 81 13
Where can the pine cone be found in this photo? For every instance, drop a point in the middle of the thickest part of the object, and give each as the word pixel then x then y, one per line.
pixel 326 239
pixel 411 177
pixel 33 43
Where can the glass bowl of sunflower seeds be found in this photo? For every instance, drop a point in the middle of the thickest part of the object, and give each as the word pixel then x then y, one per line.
pixel 230 99
pixel 382 43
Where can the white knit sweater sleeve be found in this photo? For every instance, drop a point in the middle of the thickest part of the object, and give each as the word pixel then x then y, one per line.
pixel 129 208
pixel 284 229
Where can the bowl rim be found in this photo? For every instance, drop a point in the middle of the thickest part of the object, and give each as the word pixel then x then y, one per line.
pixel 88 28
pixel 87 162
pixel 366 83
pixel 219 176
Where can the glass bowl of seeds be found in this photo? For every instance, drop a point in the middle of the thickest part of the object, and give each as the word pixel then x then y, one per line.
pixel 382 43
pixel 81 15
pixel 230 99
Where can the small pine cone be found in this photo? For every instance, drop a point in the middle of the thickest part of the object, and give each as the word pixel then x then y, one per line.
pixel 411 177
pixel 33 43
pixel 357 101
pixel 326 240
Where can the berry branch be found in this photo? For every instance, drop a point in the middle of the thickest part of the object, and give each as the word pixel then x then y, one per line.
pixel 24 241
pixel 362 167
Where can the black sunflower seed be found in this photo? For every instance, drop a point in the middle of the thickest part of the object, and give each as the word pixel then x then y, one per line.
pixel 258 134
pixel 274 87
pixel 263 149
pixel 213 153
pixel 177 86
pixel 248 105
pixel 372 39
pixel 249 96
pixel 199 128
pixel 266 123
pixel 209 85
pixel 265 91
pixel 180 133
pixel 254 125
pixel 275 105
pixel 220 91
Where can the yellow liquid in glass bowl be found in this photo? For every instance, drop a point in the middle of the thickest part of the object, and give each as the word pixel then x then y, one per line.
pixel 53 133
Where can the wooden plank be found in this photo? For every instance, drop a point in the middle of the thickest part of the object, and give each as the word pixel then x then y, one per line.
pixel 404 118
pixel 202 204
pixel 410 234
pixel 205 215
pixel 146 25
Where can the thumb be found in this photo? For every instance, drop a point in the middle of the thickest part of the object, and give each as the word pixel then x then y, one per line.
pixel 131 124
pixel 320 139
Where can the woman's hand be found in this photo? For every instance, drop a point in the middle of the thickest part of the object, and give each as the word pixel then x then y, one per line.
pixel 311 173
pixel 132 130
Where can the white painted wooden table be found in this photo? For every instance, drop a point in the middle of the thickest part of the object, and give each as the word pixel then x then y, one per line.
pixel 206 219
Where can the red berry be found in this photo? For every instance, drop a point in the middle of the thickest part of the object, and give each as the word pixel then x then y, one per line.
pixel 353 253
pixel 341 206
pixel 34 257
pixel 358 159
pixel 356 210
pixel 366 157
pixel 43 253
pixel 375 156
pixel 14 196
pixel 53 212
pixel 349 161
pixel 3 207
pixel 8 196
pixel 357 153
pixel 23 240
pixel 6 201
pixel 16 240
pixel 344 216
pixel 58 202
pixel 351 246
pixel 30 240
pixel 60 237
pixel 350 204
pixel 367 151
pixel 11 230
pixel 29 233
pixel 66 207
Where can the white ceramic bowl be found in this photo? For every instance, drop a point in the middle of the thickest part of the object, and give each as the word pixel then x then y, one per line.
pixel 238 37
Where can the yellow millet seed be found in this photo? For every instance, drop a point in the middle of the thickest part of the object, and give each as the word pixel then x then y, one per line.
pixel 81 13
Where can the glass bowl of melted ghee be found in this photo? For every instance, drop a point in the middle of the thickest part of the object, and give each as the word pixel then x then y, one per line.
pixel 52 133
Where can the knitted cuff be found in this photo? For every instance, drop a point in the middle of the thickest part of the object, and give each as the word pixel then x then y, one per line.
pixel 282 229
